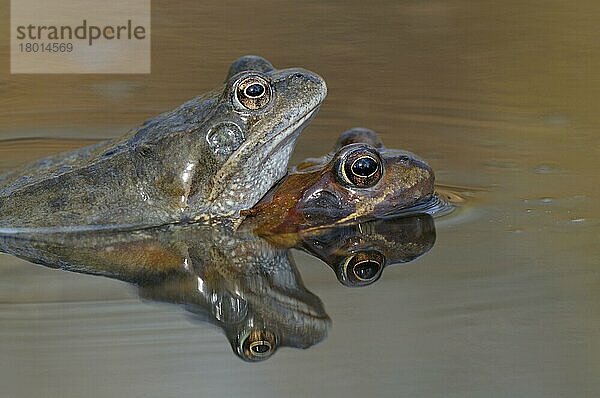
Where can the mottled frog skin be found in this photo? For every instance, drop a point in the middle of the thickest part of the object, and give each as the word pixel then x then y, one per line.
pixel 210 158
pixel 360 180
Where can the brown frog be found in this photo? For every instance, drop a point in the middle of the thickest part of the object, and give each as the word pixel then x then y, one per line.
pixel 361 180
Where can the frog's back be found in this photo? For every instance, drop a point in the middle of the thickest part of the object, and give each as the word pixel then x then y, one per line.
pixel 148 133
pixel 101 182
pixel 49 168
pixel 76 188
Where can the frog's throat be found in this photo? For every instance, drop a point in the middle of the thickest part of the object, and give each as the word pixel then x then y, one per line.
pixel 280 135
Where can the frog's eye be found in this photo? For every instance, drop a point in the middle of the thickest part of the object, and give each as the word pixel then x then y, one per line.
pixel 253 92
pixel 258 345
pixel 362 268
pixel 361 168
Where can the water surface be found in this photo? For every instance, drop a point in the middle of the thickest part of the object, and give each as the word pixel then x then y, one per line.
pixel 501 99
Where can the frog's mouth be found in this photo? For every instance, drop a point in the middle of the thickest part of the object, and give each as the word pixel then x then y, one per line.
pixel 284 301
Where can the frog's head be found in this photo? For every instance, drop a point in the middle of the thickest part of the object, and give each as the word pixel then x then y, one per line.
pixel 359 135
pixel 361 180
pixel 249 134
pixel 281 324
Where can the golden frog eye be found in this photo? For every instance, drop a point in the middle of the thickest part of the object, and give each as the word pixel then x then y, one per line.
pixel 363 268
pixel 259 345
pixel 362 168
pixel 253 92
pixel 260 348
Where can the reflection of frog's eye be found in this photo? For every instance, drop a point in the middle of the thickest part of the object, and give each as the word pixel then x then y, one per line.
pixel 366 270
pixel 253 92
pixel 258 345
pixel 362 268
pixel 361 168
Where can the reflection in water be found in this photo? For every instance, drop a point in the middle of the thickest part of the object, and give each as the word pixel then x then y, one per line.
pixel 243 284
pixel 246 285
pixel 358 253
pixel 501 95
pixel 249 288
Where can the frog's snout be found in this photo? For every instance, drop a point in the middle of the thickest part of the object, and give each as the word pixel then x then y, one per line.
pixel 309 87
pixel 315 83
pixel 417 168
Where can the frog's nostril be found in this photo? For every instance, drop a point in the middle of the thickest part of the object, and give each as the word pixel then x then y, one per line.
pixel 405 160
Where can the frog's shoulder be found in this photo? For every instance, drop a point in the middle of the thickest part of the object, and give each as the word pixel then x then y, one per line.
pixel 49 167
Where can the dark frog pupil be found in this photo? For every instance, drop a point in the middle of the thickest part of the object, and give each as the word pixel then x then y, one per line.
pixel 364 167
pixel 260 348
pixel 255 90
pixel 366 270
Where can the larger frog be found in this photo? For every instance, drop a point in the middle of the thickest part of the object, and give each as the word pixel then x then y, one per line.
pixel 211 157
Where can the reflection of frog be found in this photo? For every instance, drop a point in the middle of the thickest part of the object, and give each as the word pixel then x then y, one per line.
pixel 213 156
pixel 237 281
pixel 361 180
pixel 359 252
pixel 246 285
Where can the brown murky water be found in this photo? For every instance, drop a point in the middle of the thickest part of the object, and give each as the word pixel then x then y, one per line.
pixel 501 97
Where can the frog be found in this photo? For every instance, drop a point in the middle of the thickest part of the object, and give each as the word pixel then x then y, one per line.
pixel 206 160
pixel 359 180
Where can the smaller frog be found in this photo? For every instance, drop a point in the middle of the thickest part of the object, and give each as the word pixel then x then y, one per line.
pixel 361 180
